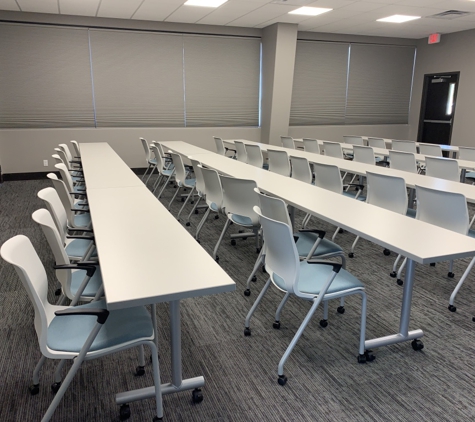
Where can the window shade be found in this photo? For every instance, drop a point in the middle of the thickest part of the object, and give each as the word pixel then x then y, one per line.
pixel 138 78
pixel 221 81
pixel 45 77
pixel 379 84
pixel 319 89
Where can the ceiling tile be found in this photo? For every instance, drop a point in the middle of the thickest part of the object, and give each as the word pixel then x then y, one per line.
pixel 189 14
pixel 43 6
pixel 9 5
pixel 122 9
pixel 82 8
pixel 157 10
pixel 230 11
pixel 263 14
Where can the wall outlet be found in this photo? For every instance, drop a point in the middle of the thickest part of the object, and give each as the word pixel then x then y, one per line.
pixel 45 163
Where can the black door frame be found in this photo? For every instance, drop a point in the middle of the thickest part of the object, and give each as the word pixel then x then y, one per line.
pixel 424 98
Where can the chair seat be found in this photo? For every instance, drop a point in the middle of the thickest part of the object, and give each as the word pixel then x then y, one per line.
pixel 78 247
pixel 470 175
pixel 168 172
pixel 353 194
pixel 471 233
pixel 189 183
pixel 411 212
pixel 152 161
pixel 241 220
pixel 82 220
pixel 81 205
pixel 306 240
pixel 68 333
pixel 213 207
pixel 314 276
pixel 92 287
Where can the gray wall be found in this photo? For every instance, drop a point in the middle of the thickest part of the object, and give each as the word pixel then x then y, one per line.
pixel 453 53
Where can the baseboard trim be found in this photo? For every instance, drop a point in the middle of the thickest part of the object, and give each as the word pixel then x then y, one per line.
pixel 11 177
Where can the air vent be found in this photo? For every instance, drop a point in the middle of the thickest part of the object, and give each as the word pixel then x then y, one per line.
pixel 450 14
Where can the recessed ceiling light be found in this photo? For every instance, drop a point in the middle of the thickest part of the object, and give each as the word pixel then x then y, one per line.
pixel 398 18
pixel 205 3
pixel 309 11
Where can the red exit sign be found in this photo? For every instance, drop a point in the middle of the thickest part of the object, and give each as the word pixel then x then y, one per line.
pixel 434 38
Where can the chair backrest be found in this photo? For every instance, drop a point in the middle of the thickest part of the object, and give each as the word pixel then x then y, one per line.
pixel 77 150
pixel 443 209
pixel 213 188
pixel 311 145
pixel 332 149
pixel 282 259
pixel 363 154
pixel 328 177
pixel 67 151
pixel 241 154
pixel 55 207
pixel 353 140
pixel 146 149
pixel 466 153
pixel 155 148
pixel 64 158
pixel 301 169
pixel 279 162
pixel 430 149
pixel 405 161
pixel 254 155
pixel 19 252
pixel 407 146
pixel 287 142
pixel 66 176
pixel 376 143
pixel 200 182
pixel 57 158
pixel 274 208
pixel 388 192
pixel 64 195
pixel 180 172
pixel 443 168
pixel 219 145
pixel 239 197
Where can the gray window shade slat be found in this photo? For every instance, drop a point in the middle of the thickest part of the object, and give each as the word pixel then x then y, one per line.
pixel 379 86
pixel 45 77
pixel 221 81
pixel 138 78
pixel 319 89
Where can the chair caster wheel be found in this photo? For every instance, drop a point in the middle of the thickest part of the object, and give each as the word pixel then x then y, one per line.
pixel 432 264
pixel 341 231
pixel 34 389
pixel 473 319
pixel 282 380
pixel 55 387
pixel 244 238
pixel 247 292
pixel 197 212
pixel 276 325
pixel 393 274
pixel 192 202
pixel 450 274
pixel 366 357
pixel 247 332
pixel 124 412
pixel 187 224
pixel 452 308
pixel 340 309
pixel 264 269
pixel 323 323
pixel 217 258
pixel 351 255
pixel 216 217
pixel 387 252
pixel 233 242
pixel 57 292
pixel 400 282
pixel 156 418
pixel 197 395
pixel 254 278
pixel 240 231
pixel 258 250
pixel 182 199
pixel 199 241
pixel 139 371
pixel 362 358
pixel 417 344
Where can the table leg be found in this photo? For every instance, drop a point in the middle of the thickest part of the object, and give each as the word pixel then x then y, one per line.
pixel 178 383
pixel 404 333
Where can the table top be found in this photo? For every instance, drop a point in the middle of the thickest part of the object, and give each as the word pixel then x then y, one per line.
pixel 415 239
pixel 146 255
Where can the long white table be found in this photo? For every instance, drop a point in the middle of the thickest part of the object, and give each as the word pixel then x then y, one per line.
pixel 142 249
pixel 409 237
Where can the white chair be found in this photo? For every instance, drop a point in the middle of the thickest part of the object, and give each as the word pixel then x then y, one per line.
pixel 376 143
pixel 443 168
pixel 165 172
pixel 363 154
pixel 151 162
pixel 353 140
pixel 76 174
pixel 430 149
pixel 254 156
pixel 78 333
pixel 405 161
pixel 220 148
pixel 311 145
pixel 301 169
pixel 287 142
pixel 279 162
pixel 199 187
pixel 315 282
pixel 75 190
pixel 332 149
pixel 406 146
pixel 241 154
pixel 77 150
pixel 468 154
pixel 182 180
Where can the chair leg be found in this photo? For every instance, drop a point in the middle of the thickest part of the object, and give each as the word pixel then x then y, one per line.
pixel 57 373
pixel 164 186
pixel 352 253
pixel 150 175
pixel 37 370
pixel 259 261
pixel 156 381
pixel 363 324
pixel 279 310
pixel 193 209
pixel 336 232
pixel 247 330
pixel 157 183
pixel 459 285
pixel 225 228
pixel 174 196
pixel 146 171
pixel 186 201
pixel 201 223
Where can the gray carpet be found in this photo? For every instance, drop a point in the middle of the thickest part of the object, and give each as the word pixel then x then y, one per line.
pixel 325 381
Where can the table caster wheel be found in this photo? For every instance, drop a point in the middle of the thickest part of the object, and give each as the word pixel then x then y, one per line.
pixel 450 274
pixel 139 371
pixel 124 412
pixel 276 325
pixel 452 308
pixel 247 292
pixel 282 380
pixel 323 323
pixel 417 344
pixel 197 212
pixel 387 252
pixel 351 255
pixel 247 332
pixel 34 389
pixel 254 278
pixel 187 224
pixel 216 217
pixel 233 242
pixel 400 282
pixel 393 274
pixel 55 387
pixel 197 395
pixel 340 309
